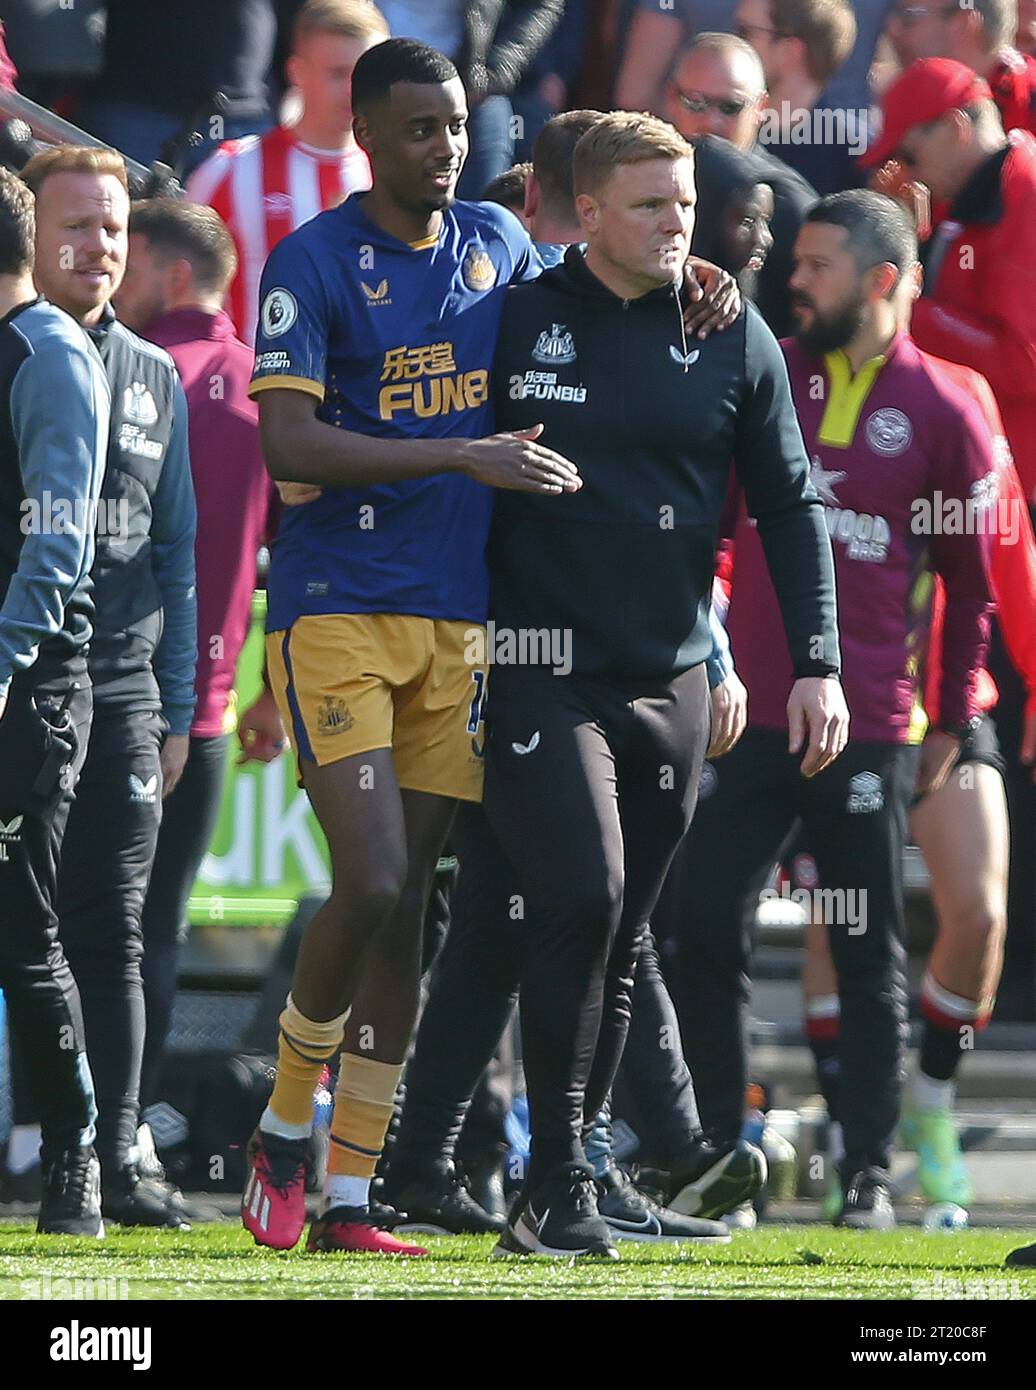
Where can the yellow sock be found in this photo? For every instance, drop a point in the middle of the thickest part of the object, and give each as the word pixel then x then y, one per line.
pixel 303 1049
pixel 363 1110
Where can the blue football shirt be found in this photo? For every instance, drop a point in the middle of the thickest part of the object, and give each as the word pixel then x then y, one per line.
pixel 396 341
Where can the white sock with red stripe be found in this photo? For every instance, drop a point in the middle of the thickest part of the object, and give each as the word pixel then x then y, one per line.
pixel 950 1024
pixel 951 1011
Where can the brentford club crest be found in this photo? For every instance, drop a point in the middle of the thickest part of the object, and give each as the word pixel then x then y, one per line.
pixel 555 347
pixel 889 432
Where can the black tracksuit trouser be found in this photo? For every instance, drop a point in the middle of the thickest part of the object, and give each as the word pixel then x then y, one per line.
pixel 476 979
pixel 106 861
pixel 854 813
pixel 42 751
pixel 590 786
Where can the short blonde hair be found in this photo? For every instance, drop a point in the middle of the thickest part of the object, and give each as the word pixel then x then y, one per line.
pixel 74 159
pixel 623 137
pixel 346 19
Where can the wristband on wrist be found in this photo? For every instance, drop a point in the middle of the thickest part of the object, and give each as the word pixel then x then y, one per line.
pixel 964 730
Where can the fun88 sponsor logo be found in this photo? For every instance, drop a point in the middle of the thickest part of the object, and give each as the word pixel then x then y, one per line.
pixel 425 381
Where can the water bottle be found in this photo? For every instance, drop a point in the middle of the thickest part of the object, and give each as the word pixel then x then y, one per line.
pixel 781 1158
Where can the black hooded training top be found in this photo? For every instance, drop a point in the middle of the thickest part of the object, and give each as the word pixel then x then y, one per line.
pixel 652 422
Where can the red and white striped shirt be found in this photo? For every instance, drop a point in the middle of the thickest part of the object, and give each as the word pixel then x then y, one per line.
pixel 264 187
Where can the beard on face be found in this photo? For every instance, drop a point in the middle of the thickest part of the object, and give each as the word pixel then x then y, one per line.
pixel 832 330
pixel 748 283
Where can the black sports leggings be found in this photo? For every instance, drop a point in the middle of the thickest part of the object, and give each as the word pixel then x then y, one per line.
pixel 590 786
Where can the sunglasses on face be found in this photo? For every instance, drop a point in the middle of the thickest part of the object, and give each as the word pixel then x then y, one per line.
pixel 697 103
pixel 745 32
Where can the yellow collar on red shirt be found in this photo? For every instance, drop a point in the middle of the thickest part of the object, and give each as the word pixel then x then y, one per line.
pixel 846 396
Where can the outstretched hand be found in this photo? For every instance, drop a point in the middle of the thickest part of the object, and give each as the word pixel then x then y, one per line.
pixel 517 463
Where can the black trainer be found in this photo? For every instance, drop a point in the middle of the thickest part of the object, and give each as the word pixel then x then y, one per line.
pixel 387 1216
pixel 485 1181
pixel 1022 1258
pixel 134 1200
pixel 559 1219
pixel 631 1215
pixel 151 1166
pixel 713 1181
pixel 438 1203
pixel 70 1204
pixel 868 1202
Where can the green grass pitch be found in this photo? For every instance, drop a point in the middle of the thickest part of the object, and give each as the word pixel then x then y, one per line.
pixel 774 1262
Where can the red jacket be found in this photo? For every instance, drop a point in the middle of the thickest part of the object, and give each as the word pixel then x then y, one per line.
pixel 1013 83
pixel 1012 566
pixel 980 305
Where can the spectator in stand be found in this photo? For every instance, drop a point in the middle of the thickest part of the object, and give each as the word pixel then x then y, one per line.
pixel 492 43
pixel 979 302
pixel 979 308
pixel 718 88
pixel 551 81
pixel 659 31
pixel 977 33
pixel 263 188
pixel 801 44
pixel 163 63
pixel 181 259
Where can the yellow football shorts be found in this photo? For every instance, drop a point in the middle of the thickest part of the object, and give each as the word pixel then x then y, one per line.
pixel 348 683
